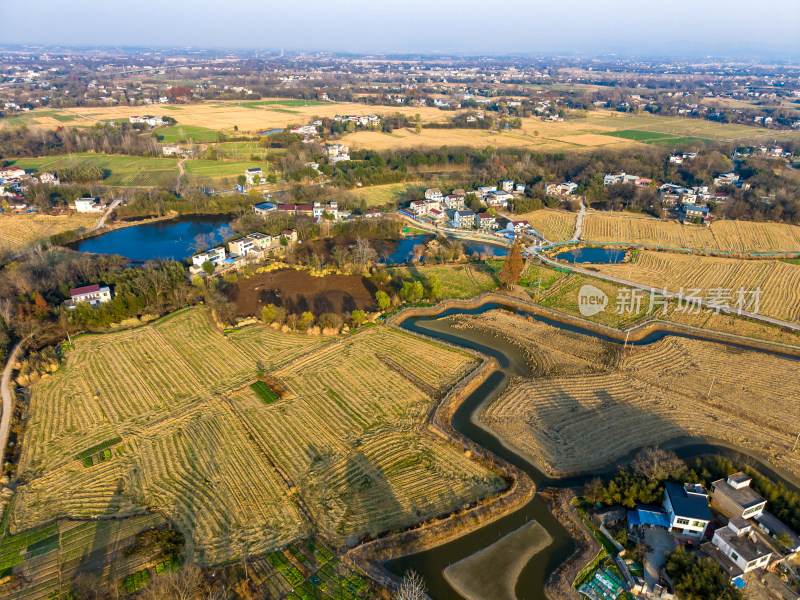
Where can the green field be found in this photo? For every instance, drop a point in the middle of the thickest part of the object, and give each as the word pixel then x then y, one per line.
pixel 287 103
pixel 188 133
pixel 238 150
pixel 120 171
pixel 207 172
pixel 685 127
pixel 653 137
pixel 381 195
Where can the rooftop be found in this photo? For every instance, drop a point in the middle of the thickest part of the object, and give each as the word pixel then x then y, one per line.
pixel 723 561
pixel 685 504
pixel 748 546
pixel 87 289
pixel 746 497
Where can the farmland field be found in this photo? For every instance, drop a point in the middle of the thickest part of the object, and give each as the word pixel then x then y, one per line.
pixel 18 231
pixel 124 171
pixel 555 225
pixel 216 172
pixel 381 195
pixel 186 133
pixel 346 444
pixel 779 281
pixel 721 236
pixel 591 402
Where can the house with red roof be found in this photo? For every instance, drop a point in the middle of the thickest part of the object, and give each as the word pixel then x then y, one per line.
pixel 93 294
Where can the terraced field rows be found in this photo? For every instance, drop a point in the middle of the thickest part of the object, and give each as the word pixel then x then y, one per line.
pixel 653 393
pixel 721 236
pixel 193 440
pixel 779 281
pixel 555 225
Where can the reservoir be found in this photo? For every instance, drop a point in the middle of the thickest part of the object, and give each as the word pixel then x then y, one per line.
pixel 592 255
pixel 173 239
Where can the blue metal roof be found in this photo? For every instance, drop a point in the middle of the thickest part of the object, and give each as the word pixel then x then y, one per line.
pixel 648 515
pixel 691 506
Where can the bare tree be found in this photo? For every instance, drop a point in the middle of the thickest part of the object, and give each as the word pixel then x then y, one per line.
pixel 364 252
pixel 657 463
pixel 412 588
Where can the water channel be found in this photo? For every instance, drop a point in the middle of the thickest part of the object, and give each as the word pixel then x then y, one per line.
pixel 530 585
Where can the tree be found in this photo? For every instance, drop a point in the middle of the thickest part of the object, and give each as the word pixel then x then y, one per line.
pixel 306 320
pixel 241 180
pixel 698 579
pixel 357 317
pixel 512 267
pixel 209 268
pixel 364 252
pixel 784 539
pixel 657 464
pixel 411 588
pixel 256 180
pixel 434 288
pixel 383 300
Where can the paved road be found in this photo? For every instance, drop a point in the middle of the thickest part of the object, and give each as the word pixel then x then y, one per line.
pixel 672 295
pixel 7 401
pixel 102 220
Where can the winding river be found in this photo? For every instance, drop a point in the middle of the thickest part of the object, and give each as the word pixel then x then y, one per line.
pixel 431 563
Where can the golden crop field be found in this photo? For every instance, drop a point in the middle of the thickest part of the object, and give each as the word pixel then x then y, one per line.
pixel 555 225
pixel 18 231
pixel 378 195
pixel 247 116
pixel 168 421
pixel 779 281
pixel 721 236
pixel 586 408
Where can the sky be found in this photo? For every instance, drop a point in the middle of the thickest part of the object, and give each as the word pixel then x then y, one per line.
pixel 739 28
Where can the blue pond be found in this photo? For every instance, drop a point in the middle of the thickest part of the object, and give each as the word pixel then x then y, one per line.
pixel 403 251
pixel 173 239
pixel 592 255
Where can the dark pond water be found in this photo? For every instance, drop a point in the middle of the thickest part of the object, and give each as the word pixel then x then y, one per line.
pixel 592 255
pixel 172 239
pixel 403 250
pixel 431 563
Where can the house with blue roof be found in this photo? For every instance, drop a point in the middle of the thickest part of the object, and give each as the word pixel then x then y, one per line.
pixel 687 507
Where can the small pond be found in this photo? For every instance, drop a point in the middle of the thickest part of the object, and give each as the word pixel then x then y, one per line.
pixel 173 239
pixel 593 255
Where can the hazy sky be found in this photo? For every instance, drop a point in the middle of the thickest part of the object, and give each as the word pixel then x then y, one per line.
pixel 733 27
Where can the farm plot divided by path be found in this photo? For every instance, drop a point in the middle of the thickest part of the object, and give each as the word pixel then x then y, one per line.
pixel 163 417
pixel 555 225
pixel 779 281
pixel 721 236
pixel 646 395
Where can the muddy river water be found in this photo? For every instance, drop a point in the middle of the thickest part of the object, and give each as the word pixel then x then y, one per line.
pixel 530 584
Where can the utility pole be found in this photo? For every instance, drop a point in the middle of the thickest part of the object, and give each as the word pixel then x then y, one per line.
pixel 795 441
pixel 708 393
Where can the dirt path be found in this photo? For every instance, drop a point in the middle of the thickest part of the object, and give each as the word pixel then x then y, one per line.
pixel 578 223
pixel 7 400
pixel 102 220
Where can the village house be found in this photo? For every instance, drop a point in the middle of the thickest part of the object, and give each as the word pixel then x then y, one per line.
pixel 485 221
pixel 171 150
pixel 251 174
pixel 560 189
pixel 304 209
pixel 497 198
pixel 483 190
pixel 87 205
pixel 332 208
pixel 695 212
pixel 433 194
pixel 290 235
pixel 507 185
pixel 520 188
pixel 455 201
pixel 726 179
pixel 734 497
pixel 148 120
pixel 91 294
pixel 740 548
pixel 337 152
pixel 463 219
pixel 372 213
pixel 49 179
pixel 435 214
pixel 770 524
pixel 287 208
pixel 687 507
pixel 214 256
pixel 253 243
pixel 418 207
pixel 11 173
pixel 262 208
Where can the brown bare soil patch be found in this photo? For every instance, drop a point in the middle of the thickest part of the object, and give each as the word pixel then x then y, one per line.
pixel 299 291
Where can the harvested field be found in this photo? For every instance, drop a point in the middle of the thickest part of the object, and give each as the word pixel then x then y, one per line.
pixel 555 225
pixel 299 291
pixel 577 419
pixel 381 195
pixel 721 236
pixel 19 231
pixel 457 281
pixel 345 445
pixel 779 281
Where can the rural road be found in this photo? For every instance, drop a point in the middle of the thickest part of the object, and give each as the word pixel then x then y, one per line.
pixel 672 295
pixel 579 222
pixel 7 401
pixel 102 220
